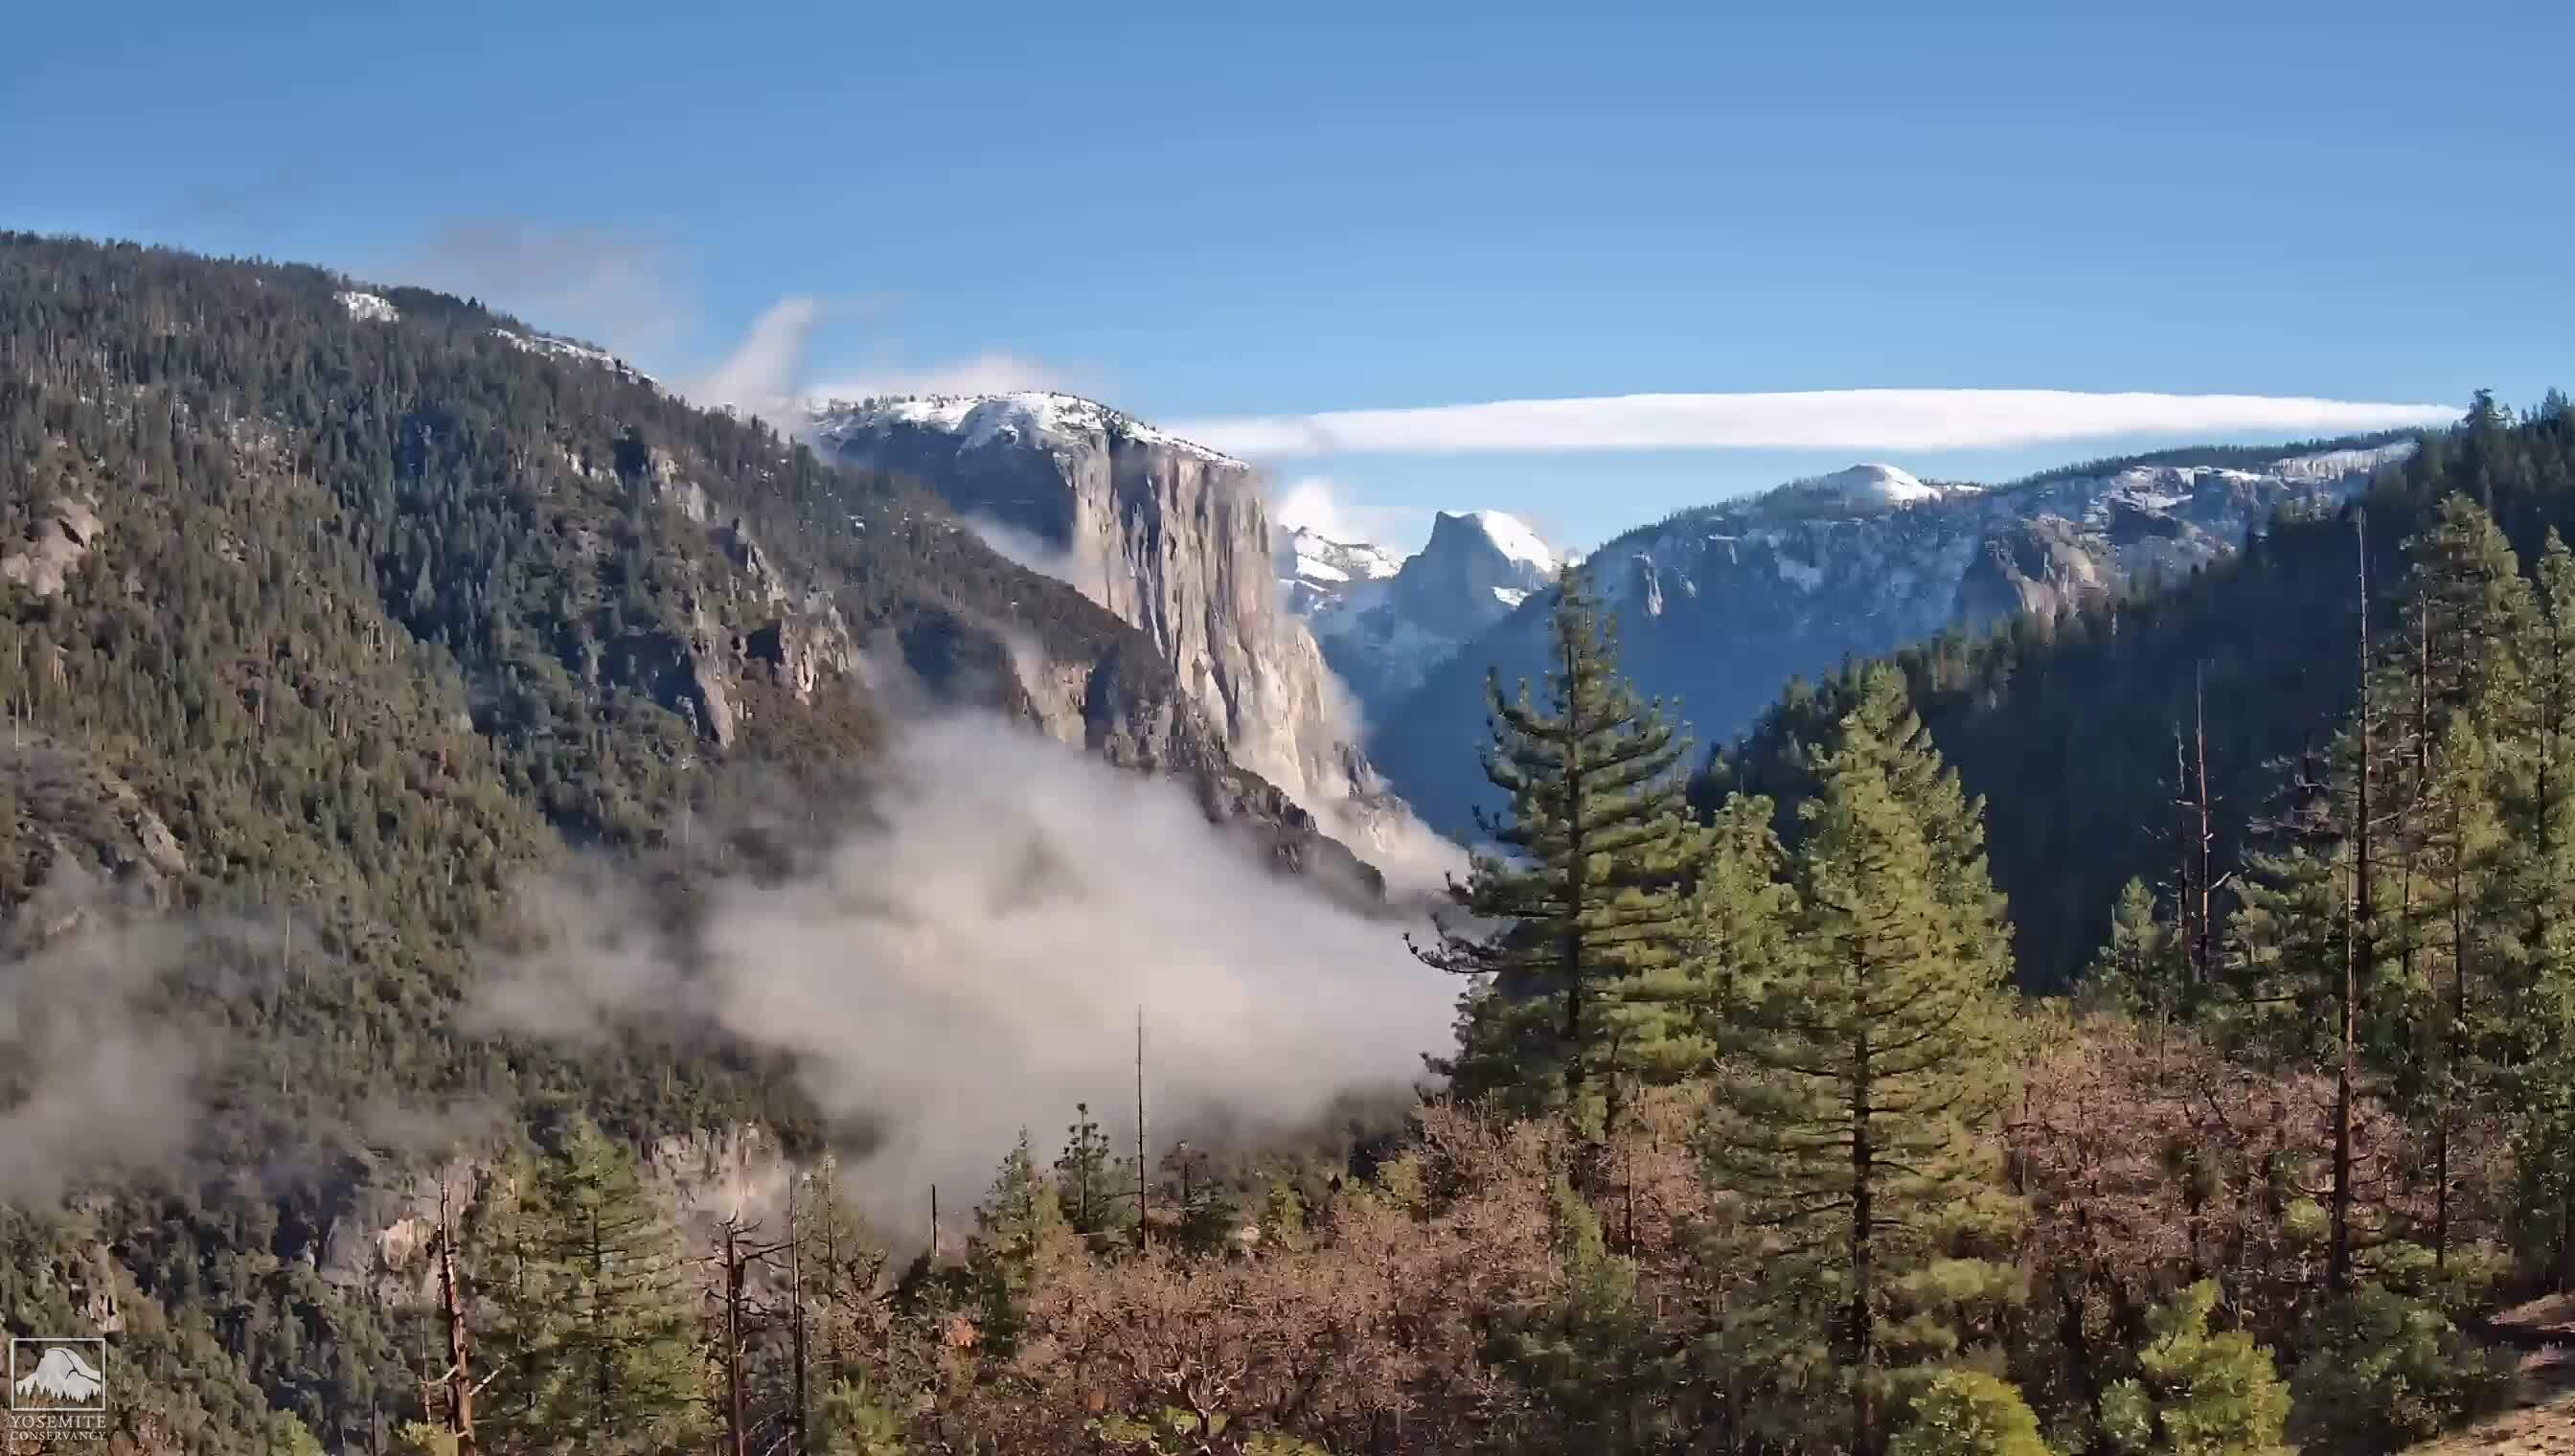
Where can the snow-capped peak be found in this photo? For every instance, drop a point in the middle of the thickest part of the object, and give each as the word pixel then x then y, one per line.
pixel 368 308
pixel 1512 536
pixel 984 419
pixel 1313 557
pixel 1862 490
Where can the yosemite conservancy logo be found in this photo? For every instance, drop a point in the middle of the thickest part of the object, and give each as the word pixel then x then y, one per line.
pixel 58 1387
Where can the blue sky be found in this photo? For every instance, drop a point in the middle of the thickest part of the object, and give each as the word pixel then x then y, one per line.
pixel 1200 214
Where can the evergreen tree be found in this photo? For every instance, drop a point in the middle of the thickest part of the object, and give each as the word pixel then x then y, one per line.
pixel 1014 1224
pixel 1586 903
pixel 1084 1176
pixel 598 1337
pixel 2196 1393
pixel 1588 1354
pixel 1847 1116
pixel 2539 1013
pixel 2142 969
pixel 840 1262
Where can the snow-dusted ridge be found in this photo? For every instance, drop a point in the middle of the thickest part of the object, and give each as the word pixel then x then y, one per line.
pixel 982 421
pixel 550 346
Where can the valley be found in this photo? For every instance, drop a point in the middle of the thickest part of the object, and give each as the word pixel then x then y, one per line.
pixel 541 918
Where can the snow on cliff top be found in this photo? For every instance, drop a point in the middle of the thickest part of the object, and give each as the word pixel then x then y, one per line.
pixel 1318 559
pixel 1511 535
pixel 368 308
pixel 984 418
pixel 1866 487
pixel 550 346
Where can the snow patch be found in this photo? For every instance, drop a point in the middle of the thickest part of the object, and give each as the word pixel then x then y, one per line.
pixel 1805 577
pixel 550 346
pixel 1512 537
pixel 368 308
pixel 1509 595
pixel 1862 490
pixel 2333 464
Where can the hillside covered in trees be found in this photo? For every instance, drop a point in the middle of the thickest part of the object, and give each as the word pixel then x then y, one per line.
pixel 325 627
pixel 2094 739
pixel 326 617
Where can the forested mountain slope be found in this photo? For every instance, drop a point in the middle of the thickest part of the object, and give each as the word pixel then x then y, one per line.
pixel 324 614
pixel 2076 733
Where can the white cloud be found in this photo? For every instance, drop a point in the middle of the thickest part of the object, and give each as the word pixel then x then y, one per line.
pixel 967 959
pixel 765 366
pixel 767 372
pixel 1858 420
pixel 1326 508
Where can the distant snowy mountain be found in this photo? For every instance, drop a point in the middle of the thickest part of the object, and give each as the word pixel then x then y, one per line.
pixel 1718 607
pixel 1384 624
pixel 1316 570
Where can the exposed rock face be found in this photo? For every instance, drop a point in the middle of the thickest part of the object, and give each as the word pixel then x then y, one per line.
pixel 58 538
pixel 1718 608
pixel 2044 568
pixel 746 622
pixel 1171 537
pixel 69 816
pixel 1121 705
pixel 383 1238
pixel 1383 635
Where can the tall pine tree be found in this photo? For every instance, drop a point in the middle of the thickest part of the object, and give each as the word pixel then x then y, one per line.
pixel 1584 905
pixel 596 1330
pixel 1868 1062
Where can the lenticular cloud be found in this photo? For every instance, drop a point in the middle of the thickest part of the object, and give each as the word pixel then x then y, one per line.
pixel 1854 420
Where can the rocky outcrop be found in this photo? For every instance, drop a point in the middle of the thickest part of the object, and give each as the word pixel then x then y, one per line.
pixel 2046 568
pixel 743 620
pixel 1383 635
pixel 382 1239
pixel 1122 707
pixel 57 539
pixel 1171 539
pixel 64 814
pixel 1720 608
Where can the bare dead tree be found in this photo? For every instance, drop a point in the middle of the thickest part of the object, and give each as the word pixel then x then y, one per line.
pixel 459 1378
pixel 738 1251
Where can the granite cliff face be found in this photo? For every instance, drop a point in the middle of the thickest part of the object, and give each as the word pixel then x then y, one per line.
pixel 1384 631
pixel 1719 606
pixel 1172 540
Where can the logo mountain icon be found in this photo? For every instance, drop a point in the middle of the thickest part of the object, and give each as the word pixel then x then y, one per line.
pixel 63 1379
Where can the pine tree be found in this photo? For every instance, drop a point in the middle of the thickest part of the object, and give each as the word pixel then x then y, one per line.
pixel 2142 969
pixel 2196 1393
pixel 1084 1176
pixel 2455 677
pixel 1586 905
pixel 1847 1116
pixel 596 1319
pixel 1013 1226
pixel 841 1260
pixel 2540 1000
pixel 1588 1354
